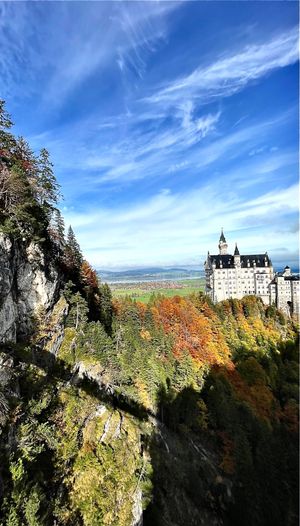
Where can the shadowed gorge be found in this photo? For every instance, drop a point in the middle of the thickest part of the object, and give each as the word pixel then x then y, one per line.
pixel 191 463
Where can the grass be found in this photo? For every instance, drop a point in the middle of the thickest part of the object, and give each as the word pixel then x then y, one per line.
pixel 143 291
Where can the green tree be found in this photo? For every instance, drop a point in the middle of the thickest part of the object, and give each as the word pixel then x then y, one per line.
pixel 78 314
pixel 73 255
pixel 7 140
pixel 106 307
pixel 22 216
pixel 57 229
pixel 32 505
pixel 48 187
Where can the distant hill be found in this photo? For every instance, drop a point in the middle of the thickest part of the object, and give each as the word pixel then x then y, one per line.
pixel 149 274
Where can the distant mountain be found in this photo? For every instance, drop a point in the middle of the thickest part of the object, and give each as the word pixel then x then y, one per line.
pixel 149 274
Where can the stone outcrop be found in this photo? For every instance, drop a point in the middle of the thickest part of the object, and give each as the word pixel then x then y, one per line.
pixel 29 282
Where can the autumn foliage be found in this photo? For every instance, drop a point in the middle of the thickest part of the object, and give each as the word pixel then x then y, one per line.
pixel 192 331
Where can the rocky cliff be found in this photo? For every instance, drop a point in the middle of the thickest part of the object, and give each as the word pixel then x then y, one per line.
pixel 29 282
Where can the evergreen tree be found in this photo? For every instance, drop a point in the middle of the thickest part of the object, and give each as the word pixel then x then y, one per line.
pixel 106 307
pixel 24 159
pixel 7 140
pixel 57 229
pixel 5 120
pixel 60 225
pixel 91 290
pixel 78 315
pixel 24 155
pixel 48 187
pixel 73 255
pixel 21 214
pixel 28 189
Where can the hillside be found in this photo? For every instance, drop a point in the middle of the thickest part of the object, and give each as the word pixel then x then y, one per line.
pixel 120 413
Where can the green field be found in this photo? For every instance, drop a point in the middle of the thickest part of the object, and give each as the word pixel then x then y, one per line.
pixel 143 291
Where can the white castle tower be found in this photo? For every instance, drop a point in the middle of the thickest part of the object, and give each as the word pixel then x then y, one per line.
pixel 222 244
pixel 235 275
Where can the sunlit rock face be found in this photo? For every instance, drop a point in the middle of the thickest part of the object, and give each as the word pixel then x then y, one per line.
pixel 28 282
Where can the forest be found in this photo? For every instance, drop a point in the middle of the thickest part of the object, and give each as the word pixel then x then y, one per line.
pixel 173 412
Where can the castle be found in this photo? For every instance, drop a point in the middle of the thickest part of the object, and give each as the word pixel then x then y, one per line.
pixel 235 276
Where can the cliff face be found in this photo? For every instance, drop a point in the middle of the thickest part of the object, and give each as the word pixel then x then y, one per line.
pixel 28 282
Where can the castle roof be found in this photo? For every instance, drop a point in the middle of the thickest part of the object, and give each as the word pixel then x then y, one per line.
pixel 292 277
pixel 236 250
pixel 251 260
pixel 222 237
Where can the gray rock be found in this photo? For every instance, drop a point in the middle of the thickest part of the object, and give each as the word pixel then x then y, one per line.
pixel 27 283
pixel 137 508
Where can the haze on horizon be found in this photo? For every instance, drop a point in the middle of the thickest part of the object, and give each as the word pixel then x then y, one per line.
pixel 164 121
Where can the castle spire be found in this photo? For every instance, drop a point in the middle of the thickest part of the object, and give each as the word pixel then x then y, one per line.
pixel 222 237
pixel 237 257
pixel 222 244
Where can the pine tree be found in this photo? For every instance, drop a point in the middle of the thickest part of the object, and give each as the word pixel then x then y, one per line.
pixel 106 307
pixel 24 155
pixel 24 159
pixel 57 229
pixel 60 225
pixel 73 255
pixel 78 315
pixel 5 121
pixel 21 213
pixel 7 140
pixel 28 188
pixel 48 187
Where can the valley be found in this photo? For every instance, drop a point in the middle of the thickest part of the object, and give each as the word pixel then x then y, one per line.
pixel 144 290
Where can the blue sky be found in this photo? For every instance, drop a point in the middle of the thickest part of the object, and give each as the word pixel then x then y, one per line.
pixel 165 122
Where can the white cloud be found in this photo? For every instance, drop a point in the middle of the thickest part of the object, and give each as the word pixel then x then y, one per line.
pixel 180 227
pixel 142 154
pixel 34 37
pixel 232 73
pixel 174 150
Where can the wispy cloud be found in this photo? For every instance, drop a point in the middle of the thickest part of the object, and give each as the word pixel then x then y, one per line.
pixel 222 78
pixel 181 225
pixel 135 156
pixel 15 57
pixel 98 36
pixel 231 73
pixel 180 147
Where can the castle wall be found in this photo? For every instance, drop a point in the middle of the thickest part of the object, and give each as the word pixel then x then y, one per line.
pixel 238 282
pixel 250 275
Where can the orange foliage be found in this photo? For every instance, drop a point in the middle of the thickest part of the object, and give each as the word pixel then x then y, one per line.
pixel 259 397
pixel 145 335
pixel 192 330
pixel 117 306
pixel 142 309
pixel 89 276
